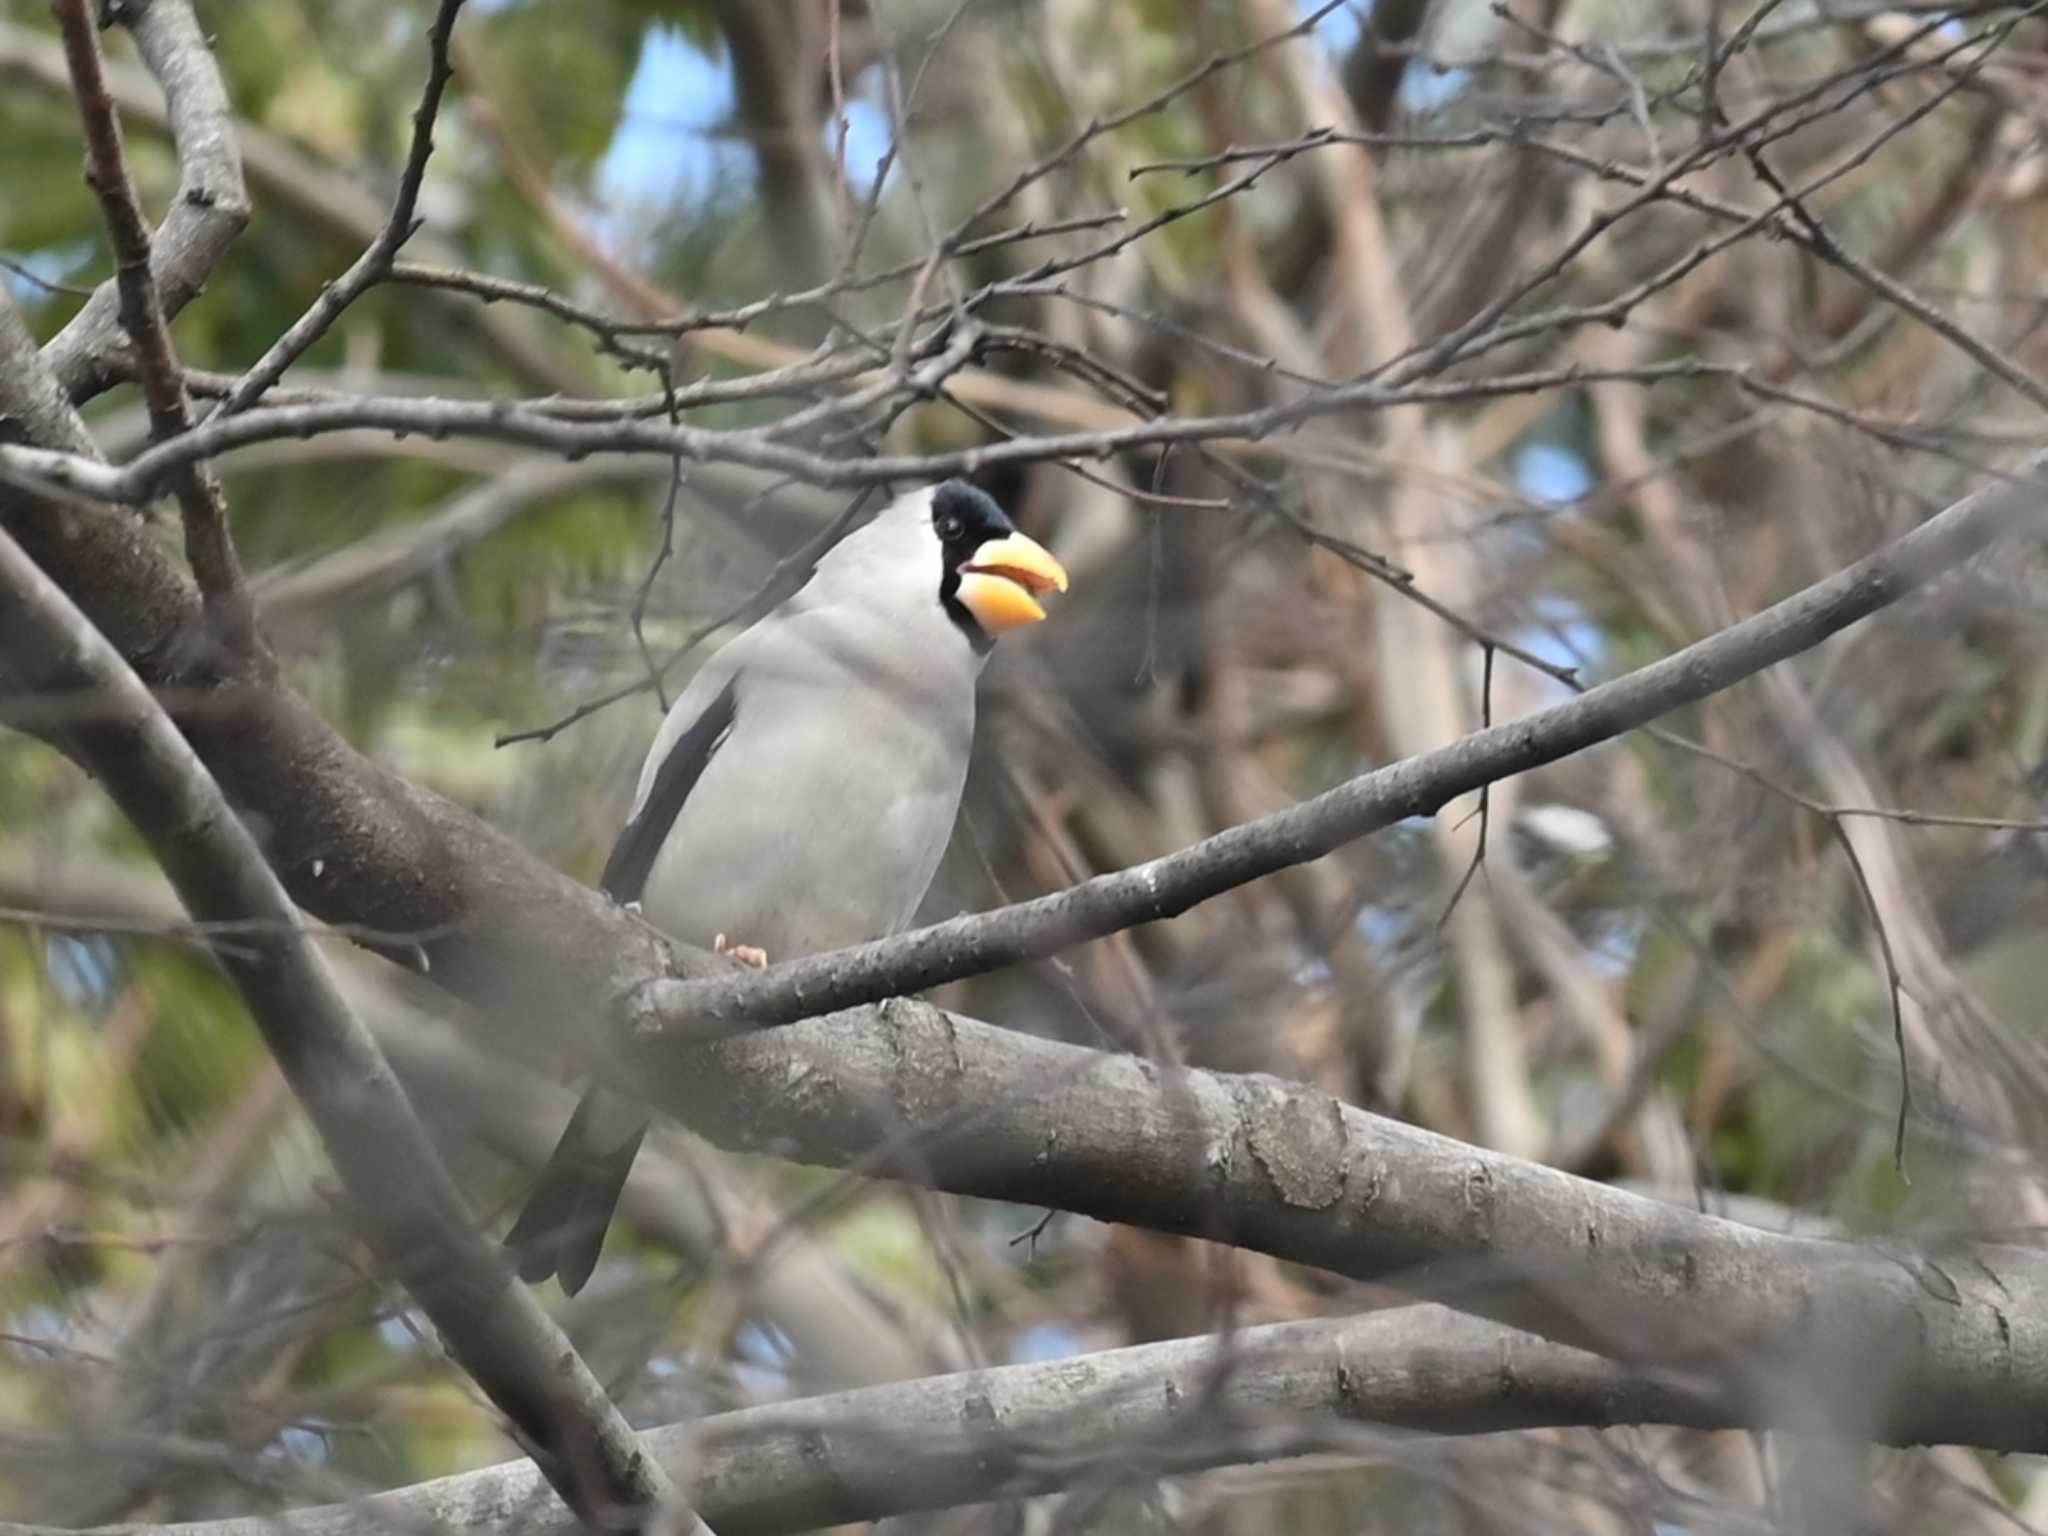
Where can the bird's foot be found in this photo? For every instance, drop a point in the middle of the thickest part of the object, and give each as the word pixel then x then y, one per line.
pixel 746 954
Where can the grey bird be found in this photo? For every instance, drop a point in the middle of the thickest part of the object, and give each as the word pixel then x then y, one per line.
pixel 801 792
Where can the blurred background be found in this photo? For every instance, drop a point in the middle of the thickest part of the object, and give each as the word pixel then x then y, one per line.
pixel 1631 417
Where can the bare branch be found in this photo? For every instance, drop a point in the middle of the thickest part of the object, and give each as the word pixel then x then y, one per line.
pixel 1283 1169
pixel 208 543
pixel 618 430
pixel 210 208
pixel 369 268
pixel 1349 1386
pixel 290 181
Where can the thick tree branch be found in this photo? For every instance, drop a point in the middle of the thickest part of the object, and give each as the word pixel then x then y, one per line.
pixel 209 211
pixel 208 543
pixel 404 1200
pixel 33 405
pixel 1139 1413
pixel 958 1105
pixel 1149 1411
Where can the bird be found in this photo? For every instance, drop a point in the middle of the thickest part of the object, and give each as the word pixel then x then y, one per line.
pixel 801 791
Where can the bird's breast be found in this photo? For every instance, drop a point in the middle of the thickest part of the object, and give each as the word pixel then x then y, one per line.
pixel 818 823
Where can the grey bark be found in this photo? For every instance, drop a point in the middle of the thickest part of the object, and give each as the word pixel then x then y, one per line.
pixel 1273 1166
pixel 208 211
pixel 1110 1418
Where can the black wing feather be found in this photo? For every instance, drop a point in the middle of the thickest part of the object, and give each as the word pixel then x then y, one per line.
pixel 561 1230
pixel 625 872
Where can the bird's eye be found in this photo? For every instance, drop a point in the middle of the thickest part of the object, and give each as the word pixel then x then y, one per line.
pixel 949 528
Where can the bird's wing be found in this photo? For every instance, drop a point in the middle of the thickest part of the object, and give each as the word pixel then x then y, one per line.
pixel 625 872
pixel 561 1230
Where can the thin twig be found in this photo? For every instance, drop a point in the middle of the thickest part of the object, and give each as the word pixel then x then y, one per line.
pixel 30 276
pixel 209 544
pixel 1893 983
pixel 534 424
pixel 375 263
pixel 1485 793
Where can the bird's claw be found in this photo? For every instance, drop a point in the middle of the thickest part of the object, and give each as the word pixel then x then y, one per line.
pixel 746 954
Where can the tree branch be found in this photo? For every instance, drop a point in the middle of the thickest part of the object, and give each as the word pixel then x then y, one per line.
pixel 33 405
pixel 1145 1412
pixel 208 543
pixel 209 211
pixel 404 1199
pixel 954 1104
pixel 618 427
pixel 369 268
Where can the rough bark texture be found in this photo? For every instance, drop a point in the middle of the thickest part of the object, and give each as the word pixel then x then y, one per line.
pixel 1178 1406
pixel 1283 1169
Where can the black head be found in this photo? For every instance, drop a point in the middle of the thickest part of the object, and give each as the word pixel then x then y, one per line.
pixel 964 519
pixel 990 575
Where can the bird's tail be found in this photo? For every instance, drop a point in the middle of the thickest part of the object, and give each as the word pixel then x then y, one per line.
pixel 561 1230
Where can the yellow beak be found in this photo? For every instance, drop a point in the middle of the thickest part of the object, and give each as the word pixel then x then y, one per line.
pixel 1000 585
